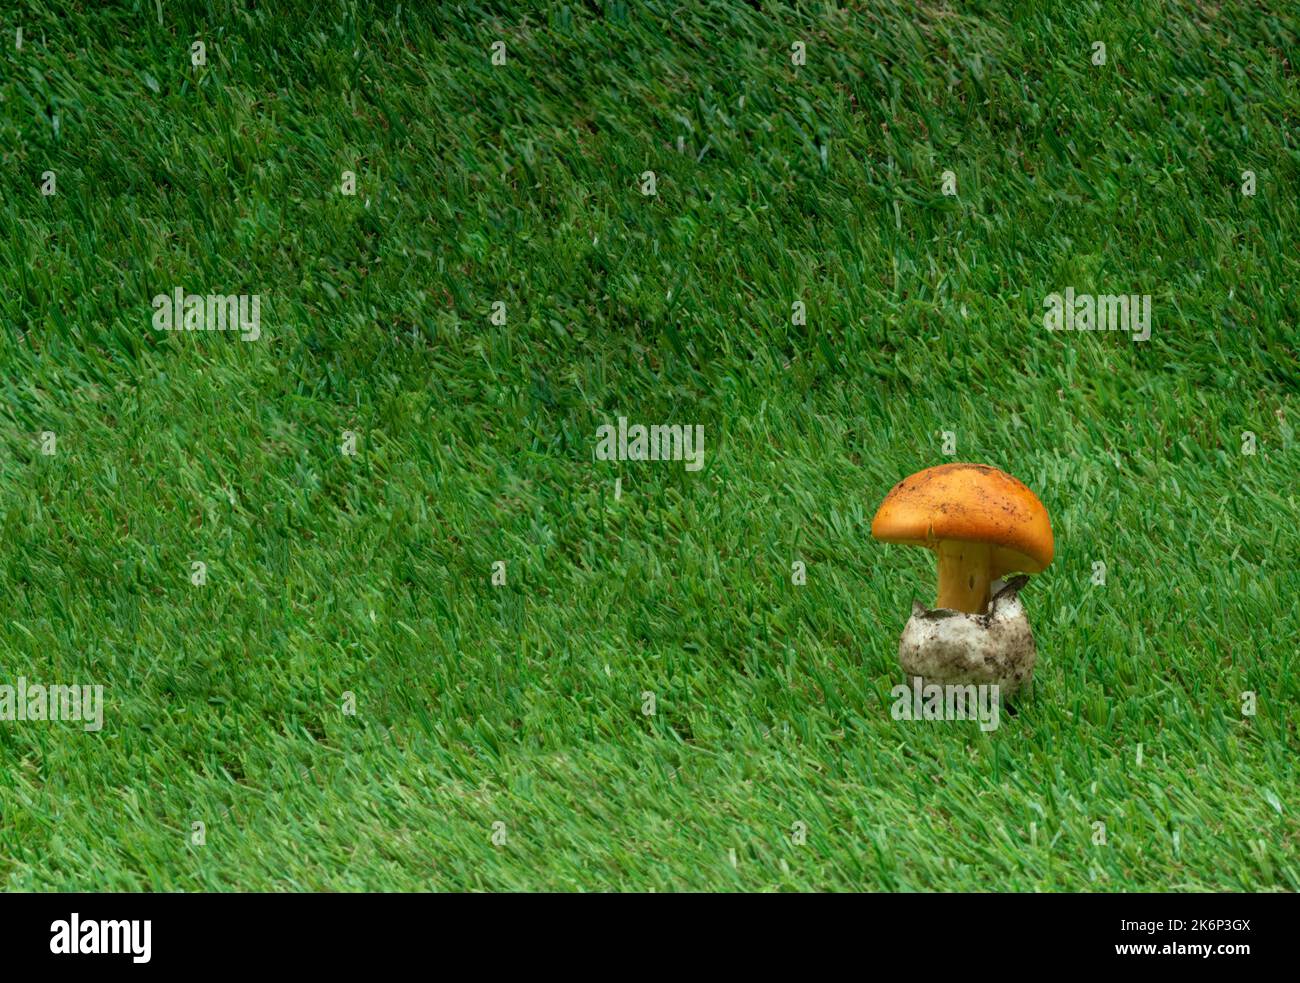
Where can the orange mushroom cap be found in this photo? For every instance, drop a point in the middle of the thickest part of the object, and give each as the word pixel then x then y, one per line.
pixel 971 503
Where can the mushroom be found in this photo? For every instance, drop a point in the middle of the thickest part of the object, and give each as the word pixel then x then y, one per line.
pixel 982 524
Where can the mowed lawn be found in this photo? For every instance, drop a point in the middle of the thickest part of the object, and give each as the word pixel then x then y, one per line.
pixel 500 739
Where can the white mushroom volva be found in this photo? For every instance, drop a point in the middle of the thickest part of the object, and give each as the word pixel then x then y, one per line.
pixel 944 646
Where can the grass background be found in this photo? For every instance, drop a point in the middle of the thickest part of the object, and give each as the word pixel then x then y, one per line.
pixel 522 704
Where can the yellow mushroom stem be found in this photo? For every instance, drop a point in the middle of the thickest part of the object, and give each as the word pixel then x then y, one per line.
pixel 965 570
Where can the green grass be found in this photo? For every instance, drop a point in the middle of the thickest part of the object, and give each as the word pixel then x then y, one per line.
pixel 522 704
